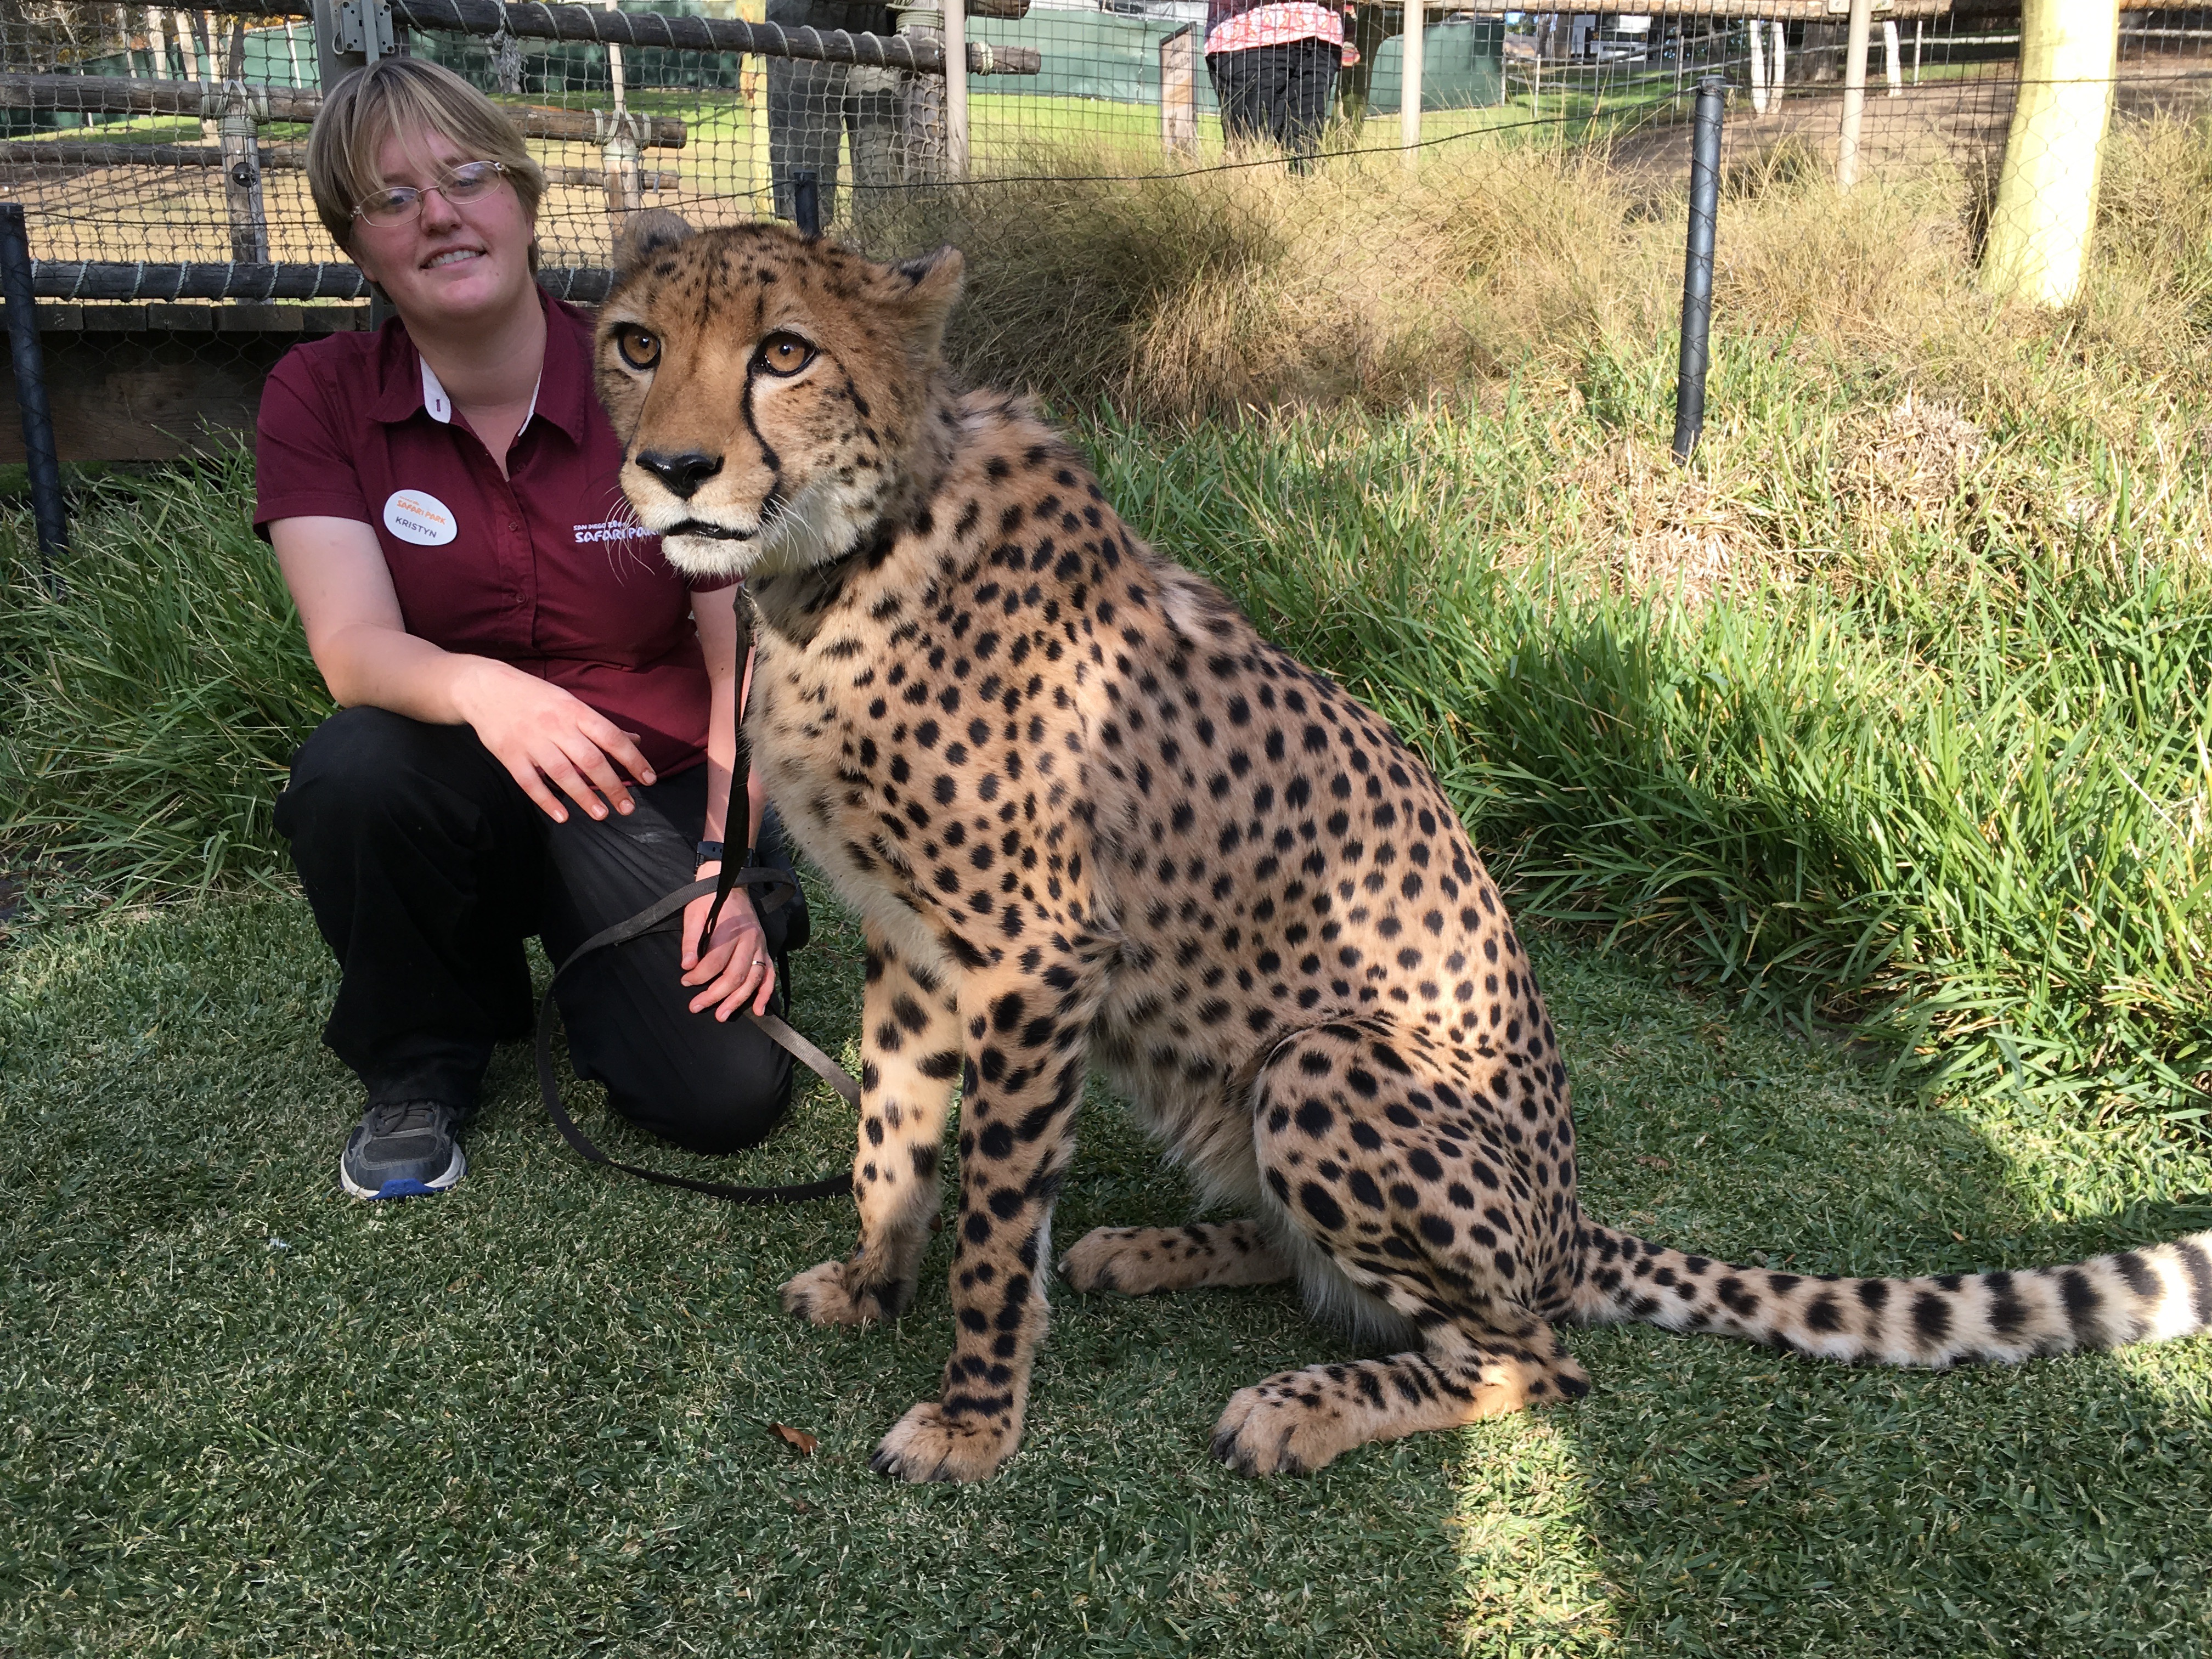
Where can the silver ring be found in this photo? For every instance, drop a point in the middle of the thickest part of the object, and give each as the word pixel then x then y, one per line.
pixel 760 961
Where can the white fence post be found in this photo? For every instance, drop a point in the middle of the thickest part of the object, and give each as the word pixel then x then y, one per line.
pixel 1409 83
pixel 955 88
pixel 1854 57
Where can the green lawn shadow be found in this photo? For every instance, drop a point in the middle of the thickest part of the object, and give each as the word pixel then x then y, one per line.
pixel 1732 1500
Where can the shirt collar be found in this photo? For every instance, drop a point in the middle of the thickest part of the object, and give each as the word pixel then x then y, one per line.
pixel 439 407
pixel 406 384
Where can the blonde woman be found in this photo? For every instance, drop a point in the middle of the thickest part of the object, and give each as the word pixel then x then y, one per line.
pixel 535 734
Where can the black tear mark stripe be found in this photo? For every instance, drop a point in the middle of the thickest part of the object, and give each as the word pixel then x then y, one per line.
pixel 768 450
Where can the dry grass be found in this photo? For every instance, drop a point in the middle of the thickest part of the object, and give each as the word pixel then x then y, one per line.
pixel 1673 532
pixel 1190 293
pixel 1367 287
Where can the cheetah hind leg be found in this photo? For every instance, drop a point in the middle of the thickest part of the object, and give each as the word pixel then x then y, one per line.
pixel 1296 1421
pixel 1138 1261
pixel 1348 1196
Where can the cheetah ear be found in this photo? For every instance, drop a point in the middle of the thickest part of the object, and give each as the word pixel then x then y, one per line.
pixel 925 289
pixel 645 233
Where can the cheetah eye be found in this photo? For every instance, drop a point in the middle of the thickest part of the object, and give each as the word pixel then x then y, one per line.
pixel 784 355
pixel 639 349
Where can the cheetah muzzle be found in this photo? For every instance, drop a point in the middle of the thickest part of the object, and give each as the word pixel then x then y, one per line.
pixel 1090 817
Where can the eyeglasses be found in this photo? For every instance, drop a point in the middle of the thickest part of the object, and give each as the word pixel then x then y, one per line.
pixel 471 182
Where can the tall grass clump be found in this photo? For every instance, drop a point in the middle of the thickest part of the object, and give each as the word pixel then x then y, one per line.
pixel 1183 293
pixel 1966 815
pixel 148 706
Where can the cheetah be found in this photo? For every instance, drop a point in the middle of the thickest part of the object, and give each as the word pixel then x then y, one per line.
pixel 1090 817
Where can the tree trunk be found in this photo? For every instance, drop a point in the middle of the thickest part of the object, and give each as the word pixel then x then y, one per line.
pixel 2046 205
pixel 1822 51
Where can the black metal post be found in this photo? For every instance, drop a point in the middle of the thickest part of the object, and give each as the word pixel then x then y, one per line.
pixel 41 461
pixel 805 202
pixel 1697 271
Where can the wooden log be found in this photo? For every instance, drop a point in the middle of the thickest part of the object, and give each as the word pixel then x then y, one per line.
pixel 149 396
pixel 129 280
pixel 549 22
pixel 1779 11
pixel 275 158
pixel 1179 91
pixel 98 95
pixel 125 279
pixel 2045 211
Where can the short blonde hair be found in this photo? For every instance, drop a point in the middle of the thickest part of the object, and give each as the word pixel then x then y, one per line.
pixel 407 95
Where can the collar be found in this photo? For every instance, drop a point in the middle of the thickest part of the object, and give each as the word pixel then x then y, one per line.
pixel 439 407
pixel 405 385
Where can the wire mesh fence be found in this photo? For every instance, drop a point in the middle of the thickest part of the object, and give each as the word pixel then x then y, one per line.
pixel 1091 150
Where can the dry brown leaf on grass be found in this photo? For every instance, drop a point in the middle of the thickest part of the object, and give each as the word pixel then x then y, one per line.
pixel 799 1438
pixel 1910 460
pixel 1671 532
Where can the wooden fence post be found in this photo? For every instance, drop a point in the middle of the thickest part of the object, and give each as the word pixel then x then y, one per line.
pixel 922 138
pixel 1854 57
pixel 1179 91
pixel 241 160
pixel 1409 83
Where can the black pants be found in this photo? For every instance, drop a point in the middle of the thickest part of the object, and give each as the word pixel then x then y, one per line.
pixel 427 867
pixel 811 106
pixel 1281 93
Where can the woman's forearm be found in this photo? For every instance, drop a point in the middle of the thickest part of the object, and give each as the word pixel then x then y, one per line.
pixel 382 667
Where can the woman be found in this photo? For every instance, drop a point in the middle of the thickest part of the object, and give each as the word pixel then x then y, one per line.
pixel 537 721
pixel 1274 65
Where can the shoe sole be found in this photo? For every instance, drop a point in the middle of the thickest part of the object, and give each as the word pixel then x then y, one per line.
pixel 406 1186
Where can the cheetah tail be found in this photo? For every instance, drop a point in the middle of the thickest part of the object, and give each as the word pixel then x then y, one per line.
pixel 2138 1295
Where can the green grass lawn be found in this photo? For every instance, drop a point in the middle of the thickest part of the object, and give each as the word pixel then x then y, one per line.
pixel 247 1415
pixel 1895 707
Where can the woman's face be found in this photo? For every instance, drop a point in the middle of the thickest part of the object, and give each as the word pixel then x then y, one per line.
pixel 447 264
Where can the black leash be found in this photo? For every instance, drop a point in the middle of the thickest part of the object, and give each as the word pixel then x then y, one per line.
pixel 658 917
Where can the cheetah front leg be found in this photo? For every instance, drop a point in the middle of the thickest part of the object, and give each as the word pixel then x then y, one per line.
pixel 909 1061
pixel 1026 1061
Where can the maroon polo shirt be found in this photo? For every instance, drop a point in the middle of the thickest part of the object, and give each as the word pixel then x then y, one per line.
pixel 543 567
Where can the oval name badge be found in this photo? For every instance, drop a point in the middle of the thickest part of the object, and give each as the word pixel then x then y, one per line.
pixel 418 516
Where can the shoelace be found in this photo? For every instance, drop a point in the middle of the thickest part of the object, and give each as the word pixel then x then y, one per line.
pixel 400 1117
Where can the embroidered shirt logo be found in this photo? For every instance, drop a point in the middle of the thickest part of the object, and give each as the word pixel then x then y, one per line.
pixel 418 516
pixel 610 529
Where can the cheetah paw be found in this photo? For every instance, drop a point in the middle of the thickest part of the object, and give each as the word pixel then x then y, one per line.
pixel 1089 1265
pixel 822 1296
pixel 927 1445
pixel 1266 1430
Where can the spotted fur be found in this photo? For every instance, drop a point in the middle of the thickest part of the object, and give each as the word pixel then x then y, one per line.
pixel 1091 818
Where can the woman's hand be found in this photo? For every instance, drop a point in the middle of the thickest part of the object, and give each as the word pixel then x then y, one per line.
pixel 546 736
pixel 735 966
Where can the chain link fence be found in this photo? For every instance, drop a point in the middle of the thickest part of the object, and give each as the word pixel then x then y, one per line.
pixel 1096 162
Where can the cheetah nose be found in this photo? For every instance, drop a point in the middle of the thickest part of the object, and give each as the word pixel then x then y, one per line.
pixel 684 473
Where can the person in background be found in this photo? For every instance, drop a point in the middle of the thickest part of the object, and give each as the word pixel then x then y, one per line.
pixel 1273 65
pixel 537 714
pixel 811 106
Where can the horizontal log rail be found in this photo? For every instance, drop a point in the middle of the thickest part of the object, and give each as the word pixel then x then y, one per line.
pixel 214 279
pixel 273 158
pixel 94 95
pixel 1772 11
pixel 920 54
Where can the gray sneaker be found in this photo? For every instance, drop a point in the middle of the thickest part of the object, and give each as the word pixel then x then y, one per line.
pixel 403 1150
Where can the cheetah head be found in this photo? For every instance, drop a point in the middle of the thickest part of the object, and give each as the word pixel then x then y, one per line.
pixel 771 392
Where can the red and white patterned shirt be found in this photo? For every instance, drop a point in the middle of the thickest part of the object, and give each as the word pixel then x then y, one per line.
pixel 1277 25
